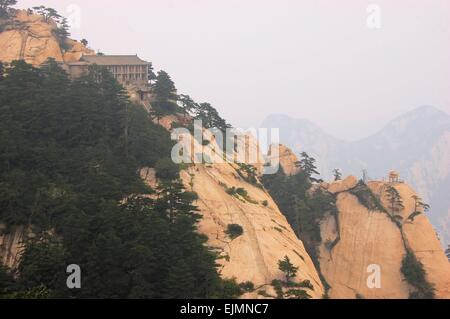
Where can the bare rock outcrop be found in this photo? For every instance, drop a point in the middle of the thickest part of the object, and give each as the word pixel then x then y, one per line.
pixel 357 239
pixel 169 121
pixel 341 186
pixel 421 238
pixel 75 51
pixel 287 159
pixel 365 238
pixel 11 246
pixel 226 197
pixel 30 38
pixel 267 237
pixel 148 175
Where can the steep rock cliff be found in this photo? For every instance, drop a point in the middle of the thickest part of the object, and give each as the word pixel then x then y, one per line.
pixel 358 237
pixel 226 196
pixel 29 37
pixel 267 237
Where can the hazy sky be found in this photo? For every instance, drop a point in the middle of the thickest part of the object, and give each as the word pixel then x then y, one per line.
pixel 311 59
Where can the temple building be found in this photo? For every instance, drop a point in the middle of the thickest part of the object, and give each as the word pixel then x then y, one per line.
pixel 128 70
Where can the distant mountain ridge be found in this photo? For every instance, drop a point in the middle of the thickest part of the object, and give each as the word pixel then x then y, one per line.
pixel 417 144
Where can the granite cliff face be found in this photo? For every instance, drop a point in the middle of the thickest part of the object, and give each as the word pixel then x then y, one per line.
pixel 226 197
pixel 356 238
pixel 30 38
pixel 267 237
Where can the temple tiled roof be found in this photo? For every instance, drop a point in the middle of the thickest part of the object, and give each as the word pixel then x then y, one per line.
pixel 114 60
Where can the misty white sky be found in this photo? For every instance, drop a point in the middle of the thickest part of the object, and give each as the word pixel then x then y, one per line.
pixel 311 59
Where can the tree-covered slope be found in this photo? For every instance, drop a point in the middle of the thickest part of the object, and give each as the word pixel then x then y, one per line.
pixel 70 153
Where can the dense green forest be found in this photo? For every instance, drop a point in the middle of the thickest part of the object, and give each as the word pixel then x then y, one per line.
pixel 70 154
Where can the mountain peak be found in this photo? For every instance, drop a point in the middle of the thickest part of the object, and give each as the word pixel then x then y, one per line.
pixel 426 111
pixel 423 118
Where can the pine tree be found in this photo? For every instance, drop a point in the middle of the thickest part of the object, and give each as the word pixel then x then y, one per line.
pixel 307 164
pixel 210 117
pixel 157 113
pixel 48 13
pixel 337 174
pixel 164 88
pixel 289 289
pixel 165 96
pixel 151 73
pixel 394 199
pixel 188 105
pixel 419 207
pixel 174 201
pixel 62 33
pixel 289 270
pixel 419 204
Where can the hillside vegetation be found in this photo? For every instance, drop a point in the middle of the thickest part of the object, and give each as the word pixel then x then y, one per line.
pixel 70 153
